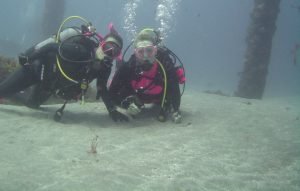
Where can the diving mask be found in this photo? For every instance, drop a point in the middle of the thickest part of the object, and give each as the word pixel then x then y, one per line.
pixel 111 49
pixel 146 53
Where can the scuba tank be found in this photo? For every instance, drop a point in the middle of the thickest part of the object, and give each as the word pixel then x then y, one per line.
pixel 65 34
pixel 39 48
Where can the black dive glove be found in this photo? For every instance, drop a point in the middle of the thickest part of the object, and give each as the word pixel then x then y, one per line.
pixel 23 59
pixel 118 116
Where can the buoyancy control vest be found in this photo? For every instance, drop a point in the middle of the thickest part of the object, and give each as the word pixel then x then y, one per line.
pixel 146 82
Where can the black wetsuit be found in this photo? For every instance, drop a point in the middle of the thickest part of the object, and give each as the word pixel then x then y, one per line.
pixel 121 87
pixel 42 73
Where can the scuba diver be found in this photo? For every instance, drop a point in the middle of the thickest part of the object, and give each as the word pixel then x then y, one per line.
pixel 150 76
pixel 64 65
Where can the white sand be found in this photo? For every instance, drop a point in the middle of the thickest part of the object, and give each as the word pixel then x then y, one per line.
pixel 224 143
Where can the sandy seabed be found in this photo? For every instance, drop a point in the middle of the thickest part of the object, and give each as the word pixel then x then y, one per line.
pixel 223 143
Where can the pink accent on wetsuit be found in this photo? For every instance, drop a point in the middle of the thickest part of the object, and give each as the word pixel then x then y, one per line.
pixel 145 80
pixel 180 75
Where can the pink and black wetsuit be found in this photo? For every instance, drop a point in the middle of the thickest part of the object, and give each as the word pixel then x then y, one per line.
pixel 147 85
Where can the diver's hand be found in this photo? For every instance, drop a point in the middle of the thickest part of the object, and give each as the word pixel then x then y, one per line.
pixel 133 105
pixel 133 109
pixel 23 59
pixel 176 117
pixel 117 116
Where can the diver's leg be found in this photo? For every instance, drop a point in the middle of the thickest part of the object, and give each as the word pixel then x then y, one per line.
pixel 19 80
pixel 38 96
pixel 22 96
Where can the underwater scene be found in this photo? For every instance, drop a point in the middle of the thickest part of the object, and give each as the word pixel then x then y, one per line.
pixel 164 95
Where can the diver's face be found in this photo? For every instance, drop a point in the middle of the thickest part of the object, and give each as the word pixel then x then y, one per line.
pixel 146 53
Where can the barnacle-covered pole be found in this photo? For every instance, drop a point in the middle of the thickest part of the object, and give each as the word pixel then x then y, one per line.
pixel 53 15
pixel 259 46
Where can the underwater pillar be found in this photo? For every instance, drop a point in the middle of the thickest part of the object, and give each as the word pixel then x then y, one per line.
pixel 259 45
pixel 53 15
